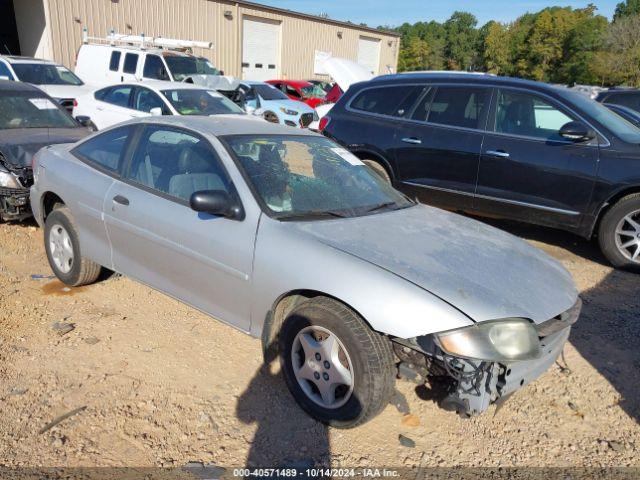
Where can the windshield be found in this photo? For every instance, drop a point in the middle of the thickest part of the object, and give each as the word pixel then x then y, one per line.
pixel 268 92
pixel 45 74
pixel 27 110
pixel 200 102
pixel 313 91
pixel 182 67
pixel 620 127
pixel 306 177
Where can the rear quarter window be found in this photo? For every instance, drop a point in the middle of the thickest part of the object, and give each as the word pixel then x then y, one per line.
pixel 105 150
pixel 393 101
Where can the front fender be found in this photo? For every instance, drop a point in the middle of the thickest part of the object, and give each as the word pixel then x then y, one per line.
pixel 287 261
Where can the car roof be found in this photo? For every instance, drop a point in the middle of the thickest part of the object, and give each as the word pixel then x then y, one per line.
pixel 164 85
pixel 228 125
pixel 254 82
pixel 10 86
pixel 18 59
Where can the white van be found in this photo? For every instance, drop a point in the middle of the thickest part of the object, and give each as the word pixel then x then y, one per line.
pixel 130 58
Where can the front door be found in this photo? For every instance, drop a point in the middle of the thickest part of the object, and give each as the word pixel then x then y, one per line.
pixel 528 171
pixel 158 239
pixel 438 149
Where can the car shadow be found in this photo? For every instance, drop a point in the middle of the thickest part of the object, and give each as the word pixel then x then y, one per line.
pixel 607 335
pixel 286 437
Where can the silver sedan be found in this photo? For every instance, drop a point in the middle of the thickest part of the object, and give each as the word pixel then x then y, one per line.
pixel 288 237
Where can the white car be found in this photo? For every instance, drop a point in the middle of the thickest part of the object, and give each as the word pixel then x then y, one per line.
pixel 57 81
pixel 124 101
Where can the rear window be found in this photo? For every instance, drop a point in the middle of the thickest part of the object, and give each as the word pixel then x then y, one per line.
pixel 627 99
pixel 459 107
pixel 130 63
pixel 395 101
pixel 114 63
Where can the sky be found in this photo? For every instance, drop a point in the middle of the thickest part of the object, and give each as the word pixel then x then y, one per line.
pixel 396 12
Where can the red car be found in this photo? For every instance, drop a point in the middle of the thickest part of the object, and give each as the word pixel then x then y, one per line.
pixel 301 90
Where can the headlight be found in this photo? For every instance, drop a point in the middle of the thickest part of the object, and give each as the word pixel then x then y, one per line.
pixel 286 111
pixel 501 340
pixel 8 180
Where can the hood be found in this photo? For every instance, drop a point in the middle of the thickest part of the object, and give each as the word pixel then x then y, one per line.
pixel 65 91
pixel 345 72
pixel 20 145
pixel 217 82
pixel 484 272
pixel 299 107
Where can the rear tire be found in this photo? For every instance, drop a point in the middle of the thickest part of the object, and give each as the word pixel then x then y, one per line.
pixel 62 245
pixel 378 169
pixel 619 233
pixel 358 373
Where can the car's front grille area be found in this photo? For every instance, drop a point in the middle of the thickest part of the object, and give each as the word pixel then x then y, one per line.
pixel 306 119
pixel 66 103
pixel 562 321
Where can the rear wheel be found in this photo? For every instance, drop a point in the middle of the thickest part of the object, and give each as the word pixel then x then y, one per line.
pixel 339 370
pixel 378 169
pixel 62 245
pixel 619 233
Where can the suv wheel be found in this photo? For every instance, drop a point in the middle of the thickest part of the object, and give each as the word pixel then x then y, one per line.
pixel 339 370
pixel 619 234
pixel 378 169
pixel 62 245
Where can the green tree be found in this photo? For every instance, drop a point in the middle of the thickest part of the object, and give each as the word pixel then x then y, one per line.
pixel 495 48
pixel 414 56
pixel 626 9
pixel 461 37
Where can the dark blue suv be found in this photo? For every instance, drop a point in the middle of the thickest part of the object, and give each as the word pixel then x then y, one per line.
pixel 501 147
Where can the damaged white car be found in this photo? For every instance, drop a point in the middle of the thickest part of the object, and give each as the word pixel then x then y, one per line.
pixel 286 236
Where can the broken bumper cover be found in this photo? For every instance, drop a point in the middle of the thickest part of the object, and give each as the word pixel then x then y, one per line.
pixel 14 203
pixel 482 384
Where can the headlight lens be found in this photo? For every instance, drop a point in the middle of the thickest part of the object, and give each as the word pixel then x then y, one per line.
pixel 286 111
pixel 7 180
pixel 501 340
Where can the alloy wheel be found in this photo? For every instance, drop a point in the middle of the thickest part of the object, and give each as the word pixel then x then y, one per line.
pixel 628 236
pixel 322 367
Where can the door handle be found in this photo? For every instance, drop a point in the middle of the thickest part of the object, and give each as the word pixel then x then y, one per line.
pixel 413 140
pixel 497 153
pixel 121 200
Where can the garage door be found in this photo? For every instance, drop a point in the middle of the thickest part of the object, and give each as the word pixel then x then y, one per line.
pixel 260 49
pixel 369 53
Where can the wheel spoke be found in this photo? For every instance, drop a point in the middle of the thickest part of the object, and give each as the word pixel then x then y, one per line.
pixel 632 222
pixel 637 254
pixel 329 349
pixel 309 344
pixel 629 243
pixel 339 375
pixel 327 392
pixel 306 372
pixel 626 233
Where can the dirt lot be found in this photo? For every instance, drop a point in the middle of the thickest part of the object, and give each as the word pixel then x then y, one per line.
pixel 163 384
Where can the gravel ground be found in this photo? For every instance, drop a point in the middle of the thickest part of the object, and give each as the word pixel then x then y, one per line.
pixel 151 382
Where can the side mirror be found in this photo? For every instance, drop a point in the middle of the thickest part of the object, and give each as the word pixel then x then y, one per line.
pixel 85 121
pixel 156 112
pixel 216 202
pixel 577 132
pixel 221 72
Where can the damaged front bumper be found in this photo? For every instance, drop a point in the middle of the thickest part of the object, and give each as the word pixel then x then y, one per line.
pixel 14 204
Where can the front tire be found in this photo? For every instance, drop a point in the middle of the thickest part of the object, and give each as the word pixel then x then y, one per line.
pixel 62 245
pixel 338 370
pixel 619 233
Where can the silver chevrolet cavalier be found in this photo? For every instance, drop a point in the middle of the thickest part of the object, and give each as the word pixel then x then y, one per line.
pixel 288 237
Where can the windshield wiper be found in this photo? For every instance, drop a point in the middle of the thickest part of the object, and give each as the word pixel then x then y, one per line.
pixel 381 206
pixel 312 214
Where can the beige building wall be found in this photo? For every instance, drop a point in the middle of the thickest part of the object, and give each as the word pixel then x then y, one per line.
pixel 301 35
pixel 33 24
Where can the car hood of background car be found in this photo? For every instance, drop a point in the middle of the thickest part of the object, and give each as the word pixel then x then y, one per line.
pixel 19 145
pixel 482 271
pixel 65 91
pixel 294 105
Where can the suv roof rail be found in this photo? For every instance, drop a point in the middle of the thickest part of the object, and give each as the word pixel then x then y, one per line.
pixel 452 72
pixel 142 41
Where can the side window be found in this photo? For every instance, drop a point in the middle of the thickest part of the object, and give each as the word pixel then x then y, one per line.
pixel 176 163
pixel 154 68
pixel 459 106
pixel 519 113
pixel 105 150
pixel 4 71
pixel 289 90
pixel 118 96
pixel 631 100
pixel 114 62
pixel 386 100
pixel 144 100
pixel 130 63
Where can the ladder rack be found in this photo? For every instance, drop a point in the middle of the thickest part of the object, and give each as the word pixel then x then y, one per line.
pixel 143 41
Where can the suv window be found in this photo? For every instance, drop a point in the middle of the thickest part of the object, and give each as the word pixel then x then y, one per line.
pixel 627 99
pixel 144 100
pixel 105 150
pixel 114 62
pixel 526 114
pixel 118 96
pixel 459 106
pixel 176 163
pixel 154 68
pixel 4 71
pixel 130 63
pixel 387 100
